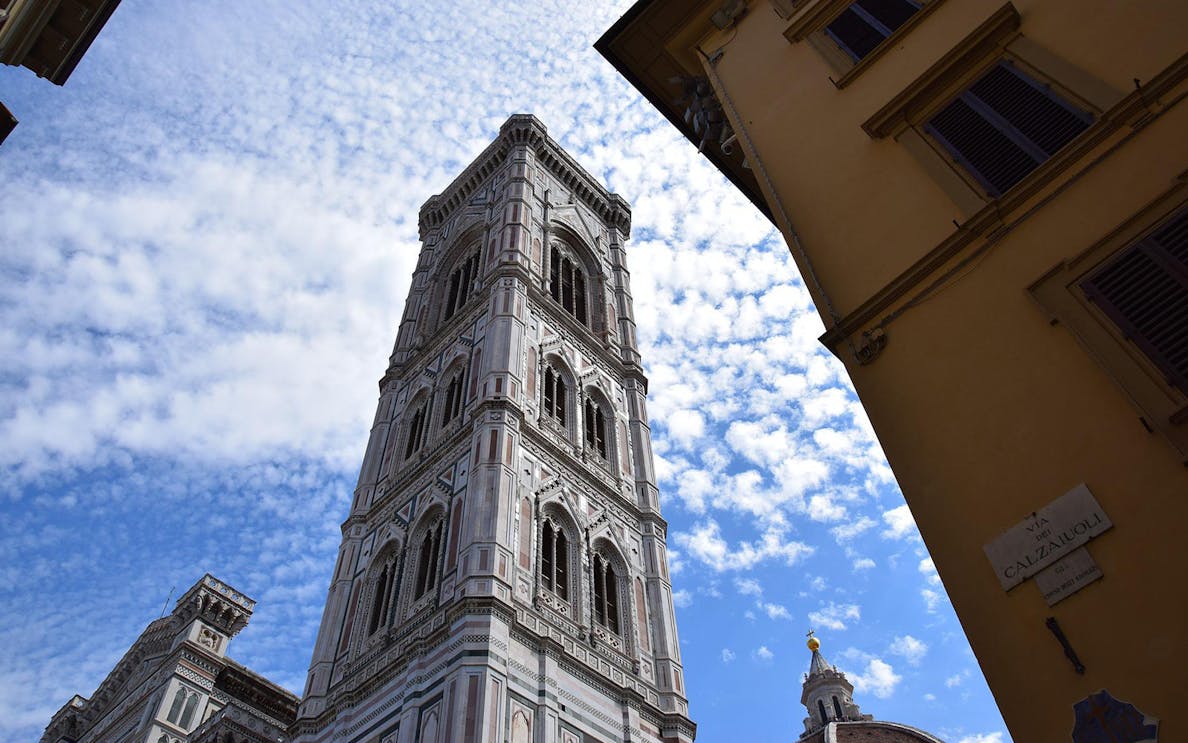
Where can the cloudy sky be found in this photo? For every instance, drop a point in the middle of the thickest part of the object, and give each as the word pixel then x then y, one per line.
pixel 206 238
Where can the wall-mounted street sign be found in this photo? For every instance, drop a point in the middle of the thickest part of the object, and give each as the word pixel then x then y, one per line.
pixel 1067 575
pixel 1046 536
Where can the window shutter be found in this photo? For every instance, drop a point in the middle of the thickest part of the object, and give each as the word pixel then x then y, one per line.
pixel 1144 291
pixel 1004 126
pixel 1036 113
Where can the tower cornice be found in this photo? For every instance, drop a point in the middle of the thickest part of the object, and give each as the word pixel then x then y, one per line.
pixel 525 130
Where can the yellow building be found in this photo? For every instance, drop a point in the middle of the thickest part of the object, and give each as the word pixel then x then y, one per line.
pixel 989 205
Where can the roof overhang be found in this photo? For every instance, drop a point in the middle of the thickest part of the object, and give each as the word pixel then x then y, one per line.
pixel 653 42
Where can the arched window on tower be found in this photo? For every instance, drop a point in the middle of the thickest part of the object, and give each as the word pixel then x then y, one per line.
pixel 554 560
pixel 188 715
pixel 567 284
pixel 606 594
pixel 595 428
pixel 453 397
pixel 837 708
pixel 427 561
pixel 179 700
pixel 555 391
pixel 821 709
pixel 417 429
pixel 459 285
pixel 380 600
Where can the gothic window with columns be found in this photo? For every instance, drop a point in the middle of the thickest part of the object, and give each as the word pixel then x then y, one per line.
pixel 596 429
pixel 417 429
pixel 567 284
pixel 554 559
pixel 556 394
pixel 427 553
pixel 453 397
pixel 460 284
pixel 381 598
pixel 606 594
pixel 179 701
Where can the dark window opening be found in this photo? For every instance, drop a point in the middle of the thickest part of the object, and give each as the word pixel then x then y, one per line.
pixel 1004 126
pixel 596 428
pixel 821 709
pixel 554 560
pixel 554 395
pixel 606 595
pixel 837 708
pixel 453 398
pixel 461 284
pixel 867 23
pixel 427 561
pixel 416 431
pixel 379 601
pixel 567 285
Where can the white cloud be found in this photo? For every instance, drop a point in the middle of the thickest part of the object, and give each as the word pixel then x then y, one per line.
pixel 863 563
pixel 878 678
pixel 705 543
pixel 835 616
pixel 932 599
pixel 748 586
pixel 995 737
pixel 957 679
pixel 763 654
pixel 909 648
pixel 727 655
pixel 775 611
pixel 682 598
pixel 900 523
pixel 846 532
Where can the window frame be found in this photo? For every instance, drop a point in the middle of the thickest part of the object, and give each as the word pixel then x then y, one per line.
pixel 1006 127
pixel 995 40
pixel 810 24
pixel 1058 293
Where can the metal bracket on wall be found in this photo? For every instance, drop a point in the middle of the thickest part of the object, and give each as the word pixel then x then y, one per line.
pixel 1069 653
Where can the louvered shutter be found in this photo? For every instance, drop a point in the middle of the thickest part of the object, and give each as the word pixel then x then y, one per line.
pixel 1144 291
pixel 1004 126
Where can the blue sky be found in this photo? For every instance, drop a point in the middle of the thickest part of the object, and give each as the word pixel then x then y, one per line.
pixel 208 236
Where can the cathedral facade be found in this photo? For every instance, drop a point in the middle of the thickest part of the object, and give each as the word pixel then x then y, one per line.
pixel 503 573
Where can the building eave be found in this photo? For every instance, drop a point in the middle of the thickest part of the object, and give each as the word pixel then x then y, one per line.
pixel 662 101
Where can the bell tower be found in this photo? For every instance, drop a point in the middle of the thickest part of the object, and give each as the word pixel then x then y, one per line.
pixel 503 574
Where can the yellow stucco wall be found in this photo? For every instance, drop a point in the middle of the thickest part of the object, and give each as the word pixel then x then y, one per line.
pixel 987 411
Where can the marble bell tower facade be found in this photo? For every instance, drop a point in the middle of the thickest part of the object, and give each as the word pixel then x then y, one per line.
pixel 503 574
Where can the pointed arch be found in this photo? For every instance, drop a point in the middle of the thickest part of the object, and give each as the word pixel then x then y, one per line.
pixel 188 714
pixel 609 577
pixel 574 276
pixel 383 583
pixel 424 553
pixel 598 426
pixel 453 390
pixel 558 393
pixel 559 557
pixel 416 425
pixel 179 700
